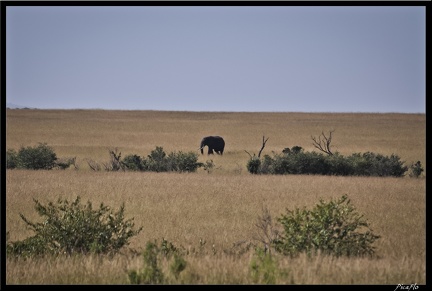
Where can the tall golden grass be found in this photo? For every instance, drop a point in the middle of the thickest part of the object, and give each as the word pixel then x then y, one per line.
pixel 220 207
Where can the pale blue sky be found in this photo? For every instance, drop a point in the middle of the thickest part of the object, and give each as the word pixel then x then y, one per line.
pixel 262 58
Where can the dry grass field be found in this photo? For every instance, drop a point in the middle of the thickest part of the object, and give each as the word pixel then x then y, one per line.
pixel 220 207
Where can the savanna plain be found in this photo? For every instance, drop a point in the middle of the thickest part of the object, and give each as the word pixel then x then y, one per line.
pixel 211 212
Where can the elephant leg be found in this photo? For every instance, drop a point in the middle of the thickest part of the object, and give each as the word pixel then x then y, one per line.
pixel 210 151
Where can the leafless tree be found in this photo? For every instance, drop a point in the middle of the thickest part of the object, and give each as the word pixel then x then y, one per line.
pixel 267 232
pixel 324 143
pixel 264 141
pixel 114 164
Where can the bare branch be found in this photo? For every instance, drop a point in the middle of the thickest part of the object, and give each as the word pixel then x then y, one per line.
pixel 267 232
pixel 323 144
pixel 115 163
pixel 249 154
pixel 263 145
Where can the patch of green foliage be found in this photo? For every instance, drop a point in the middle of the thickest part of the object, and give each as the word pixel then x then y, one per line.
pixel 41 157
pixel 296 161
pixel 254 166
pixel 44 157
pixel 159 161
pixel 263 268
pixel 333 228
pixel 151 273
pixel 72 227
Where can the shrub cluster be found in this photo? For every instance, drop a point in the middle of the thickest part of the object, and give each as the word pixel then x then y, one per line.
pixel 71 227
pixel 159 161
pixel 333 228
pixel 41 157
pixel 290 161
pixel 296 161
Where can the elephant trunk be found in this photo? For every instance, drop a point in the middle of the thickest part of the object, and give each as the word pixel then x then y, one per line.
pixel 202 147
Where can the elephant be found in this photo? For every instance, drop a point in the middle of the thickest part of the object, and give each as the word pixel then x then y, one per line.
pixel 215 143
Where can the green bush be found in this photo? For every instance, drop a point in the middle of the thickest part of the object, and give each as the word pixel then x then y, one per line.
pixel 70 227
pixel 133 162
pixel 372 164
pixel 333 228
pixel 339 165
pixel 41 157
pixel 296 161
pixel 11 159
pixel 156 161
pixel 183 162
pixel 159 161
pixel 253 165
pixel 267 166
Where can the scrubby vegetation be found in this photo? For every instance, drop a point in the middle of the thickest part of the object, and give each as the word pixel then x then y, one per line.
pixel 159 161
pixel 333 228
pixel 71 228
pixel 263 268
pixel 296 161
pixel 41 157
pixel 44 157
pixel 152 273
pixel 290 161
pixel 300 162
